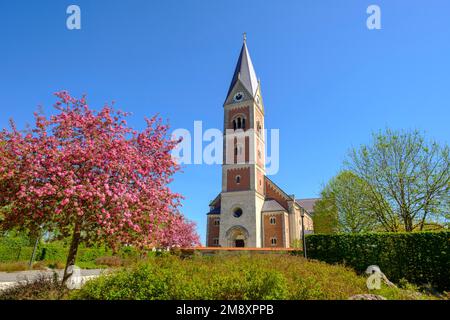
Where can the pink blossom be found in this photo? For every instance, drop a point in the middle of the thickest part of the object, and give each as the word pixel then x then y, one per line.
pixel 88 167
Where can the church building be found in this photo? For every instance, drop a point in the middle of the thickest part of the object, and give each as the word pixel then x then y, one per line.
pixel 251 210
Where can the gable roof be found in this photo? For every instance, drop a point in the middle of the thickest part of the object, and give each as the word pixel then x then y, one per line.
pixel 307 204
pixel 272 205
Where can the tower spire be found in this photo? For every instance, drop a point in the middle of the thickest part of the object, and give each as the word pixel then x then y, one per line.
pixel 244 71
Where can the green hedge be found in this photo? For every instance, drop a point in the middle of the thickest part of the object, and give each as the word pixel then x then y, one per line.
pixel 14 249
pixel 56 252
pixel 418 257
pixel 17 249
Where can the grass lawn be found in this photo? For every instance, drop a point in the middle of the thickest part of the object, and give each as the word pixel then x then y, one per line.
pixel 228 277
pixel 222 276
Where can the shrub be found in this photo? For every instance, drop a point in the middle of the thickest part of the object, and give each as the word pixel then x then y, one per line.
pixel 56 265
pixel 223 277
pixel 255 277
pixel 21 266
pixel 13 266
pixel 110 261
pixel 418 257
pixel 40 265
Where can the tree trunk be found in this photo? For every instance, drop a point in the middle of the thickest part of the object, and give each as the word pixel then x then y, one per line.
pixel 408 224
pixel 72 251
pixel 33 254
pixel 422 222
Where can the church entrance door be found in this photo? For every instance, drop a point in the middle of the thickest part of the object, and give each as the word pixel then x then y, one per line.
pixel 240 243
pixel 237 236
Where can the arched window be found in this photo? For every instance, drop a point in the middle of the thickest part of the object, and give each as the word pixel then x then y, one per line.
pixel 239 123
pixel 273 241
pixel 273 220
pixel 238 179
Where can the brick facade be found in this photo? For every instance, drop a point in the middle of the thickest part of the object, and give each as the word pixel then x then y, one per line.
pixel 274 230
pixel 259 153
pixel 260 181
pixel 213 230
pixel 244 183
pixel 244 111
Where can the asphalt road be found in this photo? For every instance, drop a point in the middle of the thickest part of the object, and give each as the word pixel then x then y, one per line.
pixel 23 275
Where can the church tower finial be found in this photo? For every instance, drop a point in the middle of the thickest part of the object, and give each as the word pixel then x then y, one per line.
pixel 244 37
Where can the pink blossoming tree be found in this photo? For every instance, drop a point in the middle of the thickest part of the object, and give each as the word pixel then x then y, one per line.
pixel 88 176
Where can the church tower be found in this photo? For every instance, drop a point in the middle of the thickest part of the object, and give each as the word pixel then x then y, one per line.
pixel 243 169
pixel 251 210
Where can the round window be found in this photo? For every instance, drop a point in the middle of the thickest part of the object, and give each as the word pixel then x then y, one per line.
pixel 237 212
pixel 238 96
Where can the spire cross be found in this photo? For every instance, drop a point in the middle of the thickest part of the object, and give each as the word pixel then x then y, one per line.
pixel 244 36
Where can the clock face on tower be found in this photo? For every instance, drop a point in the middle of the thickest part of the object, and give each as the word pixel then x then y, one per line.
pixel 238 97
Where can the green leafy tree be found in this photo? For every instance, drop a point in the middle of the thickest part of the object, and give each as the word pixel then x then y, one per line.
pixel 344 206
pixel 407 179
pixel 325 214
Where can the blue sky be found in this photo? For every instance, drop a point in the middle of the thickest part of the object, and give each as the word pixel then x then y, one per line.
pixel 327 81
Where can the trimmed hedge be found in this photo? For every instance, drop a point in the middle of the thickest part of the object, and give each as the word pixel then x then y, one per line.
pixel 14 249
pixel 18 249
pixel 85 257
pixel 418 257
